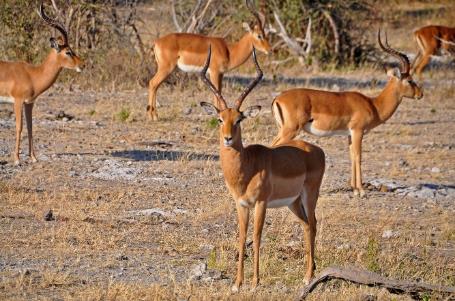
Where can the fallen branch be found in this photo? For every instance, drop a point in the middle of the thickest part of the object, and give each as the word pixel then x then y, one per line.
pixel 361 276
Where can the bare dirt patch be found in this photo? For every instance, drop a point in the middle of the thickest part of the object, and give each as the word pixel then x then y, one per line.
pixel 141 210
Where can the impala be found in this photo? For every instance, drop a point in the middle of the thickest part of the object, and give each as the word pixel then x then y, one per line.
pixel 187 51
pixel 351 114
pixel 21 83
pixel 260 177
pixel 431 40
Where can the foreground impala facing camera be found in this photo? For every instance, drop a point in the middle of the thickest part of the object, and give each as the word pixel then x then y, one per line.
pixel 259 177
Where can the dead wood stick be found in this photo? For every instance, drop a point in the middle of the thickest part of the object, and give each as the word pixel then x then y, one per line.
pixel 361 276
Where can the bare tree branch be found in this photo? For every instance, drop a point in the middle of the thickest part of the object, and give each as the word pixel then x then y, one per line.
pixel 334 27
pixel 293 45
pixel 174 17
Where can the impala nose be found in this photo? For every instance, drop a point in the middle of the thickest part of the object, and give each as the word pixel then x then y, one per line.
pixel 227 141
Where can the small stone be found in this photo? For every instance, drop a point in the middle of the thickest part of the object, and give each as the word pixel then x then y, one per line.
pixel 389 234
pixel 197 271
pixel 65 119
pixel 403 163
pixel 187 111
pixel 49 216
pixel 384 188
pixel 435 170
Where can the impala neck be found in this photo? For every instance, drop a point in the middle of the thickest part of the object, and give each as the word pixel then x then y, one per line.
pixel 46 73
pixel 387 102
pixel 239 52
pixel 232 159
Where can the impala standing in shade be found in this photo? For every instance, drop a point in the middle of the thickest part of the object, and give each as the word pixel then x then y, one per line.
pixel 432 40
pixel 351 114
pixel 259 177
pixel 187 51
pixel 21 83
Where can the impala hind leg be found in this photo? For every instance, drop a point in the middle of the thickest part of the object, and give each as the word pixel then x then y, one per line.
pixel 304 209
pixel 28 119
pixel 242 215
pixel 285 134
pixel 423 62
pixel 18 113
pixel 161 74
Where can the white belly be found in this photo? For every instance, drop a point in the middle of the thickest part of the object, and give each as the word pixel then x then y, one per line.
pixel 281 202
pixel 189 68
pixel 6 99
pixel 321 133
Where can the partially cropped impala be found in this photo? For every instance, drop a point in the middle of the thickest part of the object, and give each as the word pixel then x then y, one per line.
pixel 352 114
pixel 21 83
pixel 259 177
pixel 187 52
pixel 432 40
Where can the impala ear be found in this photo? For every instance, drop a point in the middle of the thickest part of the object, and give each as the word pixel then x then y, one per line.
pixel 394 72
pixel 54 44
pixel 251 112
pixel 209 108
pixel 246 26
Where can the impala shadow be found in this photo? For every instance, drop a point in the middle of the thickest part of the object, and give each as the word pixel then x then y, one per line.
pixel 163 155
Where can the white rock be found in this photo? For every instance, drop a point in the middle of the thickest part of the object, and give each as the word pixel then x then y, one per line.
pixel 389 234
pixel 197 271
pixel 435 170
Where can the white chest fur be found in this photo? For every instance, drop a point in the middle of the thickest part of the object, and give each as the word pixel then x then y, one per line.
pixel 309 127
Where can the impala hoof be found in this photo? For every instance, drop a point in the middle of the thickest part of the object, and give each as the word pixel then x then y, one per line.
pixel 362 193
pixel 356 192
pixel 34 160
pixel 235 289
pixel 17 163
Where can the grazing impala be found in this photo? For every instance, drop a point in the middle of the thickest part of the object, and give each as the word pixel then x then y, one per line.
pixel 21 83
pixel 187 51
pixel 431 40
pixel 260 177
pixel 352 114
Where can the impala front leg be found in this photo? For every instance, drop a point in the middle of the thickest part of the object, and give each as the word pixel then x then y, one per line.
pixel 18 112
pixel 242 214
pixel 216 78
pixel 259 217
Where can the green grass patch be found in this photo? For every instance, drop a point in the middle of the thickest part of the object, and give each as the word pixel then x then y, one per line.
pixel 123 114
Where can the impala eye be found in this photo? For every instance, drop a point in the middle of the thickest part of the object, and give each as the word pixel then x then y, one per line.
pixel 68 53
pixel 220 121
pixel 260 37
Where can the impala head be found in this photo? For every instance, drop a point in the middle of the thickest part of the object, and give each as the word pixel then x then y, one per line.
pixel 408 88
pixel 258 34
pixel 230 118
pixel 65 55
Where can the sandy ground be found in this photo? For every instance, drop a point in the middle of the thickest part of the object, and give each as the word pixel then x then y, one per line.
pixel 140 209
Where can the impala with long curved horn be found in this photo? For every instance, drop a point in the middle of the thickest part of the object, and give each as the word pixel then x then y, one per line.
pixel 259 177
pixel 432 40
pixel 352 114
pixel 21 83
pixel 187 52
